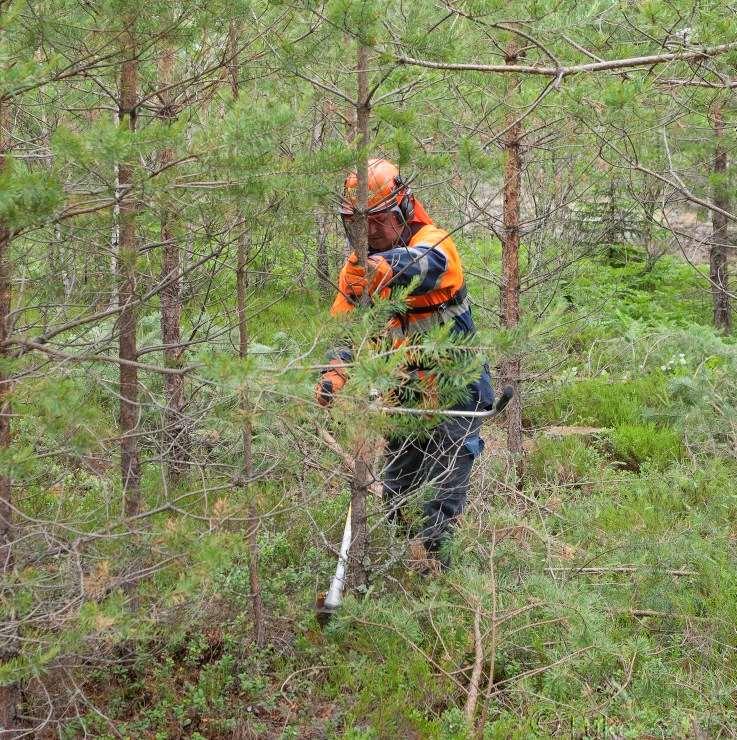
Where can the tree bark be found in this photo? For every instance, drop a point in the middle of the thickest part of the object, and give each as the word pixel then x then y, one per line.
pixel 322 267
pixel 718 266
pixel 362 475
pixel 351 111
pixel 245 405
pixel 653 195
pixel 175 438
pixel 127 256
pixel 9 695
pixel 322 263
pixel 510 283
pixel 611 230
pixel 115 235
pixel 257 606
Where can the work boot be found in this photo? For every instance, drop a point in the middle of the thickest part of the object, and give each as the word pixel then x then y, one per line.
pixel 421 560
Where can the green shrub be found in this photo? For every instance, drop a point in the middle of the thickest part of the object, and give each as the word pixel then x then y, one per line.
pixel 566 460
pixel 604 402
pixel 670 292
pixel 622 255
pixel 634 444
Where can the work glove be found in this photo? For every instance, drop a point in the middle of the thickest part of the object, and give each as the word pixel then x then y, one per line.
pixel 330 383
pixel 353 280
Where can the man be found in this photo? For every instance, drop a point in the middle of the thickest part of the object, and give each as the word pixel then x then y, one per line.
pixel 406 246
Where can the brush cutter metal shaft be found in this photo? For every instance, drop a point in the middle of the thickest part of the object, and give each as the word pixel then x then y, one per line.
pixel 500 405
pixel 334 595
pixel 439 412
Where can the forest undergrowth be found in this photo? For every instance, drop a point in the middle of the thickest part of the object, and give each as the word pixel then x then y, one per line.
pixel 597 600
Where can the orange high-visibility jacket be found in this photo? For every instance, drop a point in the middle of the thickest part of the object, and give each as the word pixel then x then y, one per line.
pixel 440 297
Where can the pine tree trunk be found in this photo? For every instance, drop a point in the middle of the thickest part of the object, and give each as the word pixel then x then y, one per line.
pixel 653 195
pixel 127 255
pixel 510 283
pixel 322 264
pixel 9 695
pixel 351 113
pixel 245 404
pixel 610 233
pixel 718 266
pixel 175 439
pixel 362 475
pixel 257 606
pixel 115 235
pixel 322 267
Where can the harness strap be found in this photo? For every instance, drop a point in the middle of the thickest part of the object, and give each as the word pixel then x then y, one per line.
pixel 460 296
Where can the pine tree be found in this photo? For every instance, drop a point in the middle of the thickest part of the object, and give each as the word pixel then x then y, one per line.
pixel 129 280
pixel 9 694
pixel 718 264
pixel 241 272
pixel 175 437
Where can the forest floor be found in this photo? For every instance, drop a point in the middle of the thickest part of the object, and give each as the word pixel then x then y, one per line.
pixel 599 600
pixel 691 236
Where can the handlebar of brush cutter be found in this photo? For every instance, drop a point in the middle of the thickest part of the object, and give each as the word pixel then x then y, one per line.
pixel 499 406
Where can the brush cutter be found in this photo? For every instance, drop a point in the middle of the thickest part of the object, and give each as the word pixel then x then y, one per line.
pixel 328 603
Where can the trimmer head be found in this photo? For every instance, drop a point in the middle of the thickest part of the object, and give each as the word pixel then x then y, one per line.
pixel 323 612
pixel 329 602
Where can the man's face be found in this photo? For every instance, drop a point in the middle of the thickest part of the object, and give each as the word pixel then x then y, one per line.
pixel 384 229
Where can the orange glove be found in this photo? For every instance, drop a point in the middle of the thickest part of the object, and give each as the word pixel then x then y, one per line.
pixel 330 383
pixel 353 280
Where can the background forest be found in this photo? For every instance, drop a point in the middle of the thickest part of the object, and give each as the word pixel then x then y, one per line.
pixel 172 497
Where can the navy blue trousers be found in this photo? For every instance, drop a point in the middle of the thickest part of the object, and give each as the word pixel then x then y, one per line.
pixel 442 461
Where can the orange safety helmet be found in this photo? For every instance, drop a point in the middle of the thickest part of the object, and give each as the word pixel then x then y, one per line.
pixel 386 188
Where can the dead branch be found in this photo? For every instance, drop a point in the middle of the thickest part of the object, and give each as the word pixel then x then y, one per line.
pixel 561 72
pixel 473 684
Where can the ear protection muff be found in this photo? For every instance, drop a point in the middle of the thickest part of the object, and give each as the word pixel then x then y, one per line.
pixel 406 204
